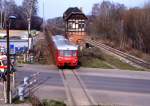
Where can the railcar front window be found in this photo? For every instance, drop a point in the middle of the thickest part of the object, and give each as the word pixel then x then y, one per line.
pixel 74 53
pixel 61 53
pixel 67 53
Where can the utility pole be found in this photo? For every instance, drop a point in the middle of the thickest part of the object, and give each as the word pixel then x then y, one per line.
pixel 8 91
pixel 43 16
pixel 8 64
pixel 1 25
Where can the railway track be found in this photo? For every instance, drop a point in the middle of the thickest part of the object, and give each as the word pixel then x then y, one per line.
pixel 76 93
pixel 126 56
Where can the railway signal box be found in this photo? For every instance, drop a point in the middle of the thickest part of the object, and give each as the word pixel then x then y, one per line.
pixel 75 25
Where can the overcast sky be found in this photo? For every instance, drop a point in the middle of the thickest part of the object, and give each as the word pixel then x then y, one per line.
pixel 55 8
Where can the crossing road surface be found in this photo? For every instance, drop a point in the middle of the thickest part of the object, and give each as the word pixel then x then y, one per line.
pixel 49 84
pixel 106 87
pixel 118 87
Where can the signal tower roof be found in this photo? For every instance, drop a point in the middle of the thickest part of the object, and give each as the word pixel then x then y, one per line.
pixel 73 12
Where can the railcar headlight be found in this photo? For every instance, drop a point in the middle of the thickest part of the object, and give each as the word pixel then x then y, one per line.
pixel 75 60
pixel 59 58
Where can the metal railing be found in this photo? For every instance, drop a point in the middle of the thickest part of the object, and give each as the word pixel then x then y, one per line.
pixel 24 89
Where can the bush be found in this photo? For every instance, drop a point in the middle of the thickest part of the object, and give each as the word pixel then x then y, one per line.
pixel 36 102
pixel 52 103
pixel 93 52
pixel 92 57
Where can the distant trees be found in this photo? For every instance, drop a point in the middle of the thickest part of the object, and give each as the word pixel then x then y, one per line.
pixel 23 14
pixel 56 25
pixel 126 28
pixel 137 28
pixel 7 8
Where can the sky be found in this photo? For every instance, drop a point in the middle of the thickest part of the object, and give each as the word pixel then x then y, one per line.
pixel 56 8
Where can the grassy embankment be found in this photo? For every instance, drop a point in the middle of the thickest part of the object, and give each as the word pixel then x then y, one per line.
pixel 95 58
pixel 34 101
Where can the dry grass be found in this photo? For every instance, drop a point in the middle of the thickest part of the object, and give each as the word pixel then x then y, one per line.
pixel 95 58
pixel 42 52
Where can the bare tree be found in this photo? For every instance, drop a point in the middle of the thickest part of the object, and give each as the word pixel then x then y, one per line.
pixel 29 9
pixel 7 7
pixel 126 28
pixel 1 14
pixel 95 9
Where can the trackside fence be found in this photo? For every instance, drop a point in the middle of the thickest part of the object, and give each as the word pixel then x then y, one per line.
pixel 24 90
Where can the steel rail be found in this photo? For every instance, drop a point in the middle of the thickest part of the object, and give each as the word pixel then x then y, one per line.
pixel 68 88
pixel 131 58
pixel 83 87
pixel 71 101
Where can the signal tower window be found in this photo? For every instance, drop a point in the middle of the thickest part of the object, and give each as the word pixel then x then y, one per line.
pixel 70 25
pixel 81 25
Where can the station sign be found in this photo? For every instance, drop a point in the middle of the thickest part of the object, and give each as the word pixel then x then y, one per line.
pixel 12 49
pixel 19 50
pixel 15 50
pixel 16 46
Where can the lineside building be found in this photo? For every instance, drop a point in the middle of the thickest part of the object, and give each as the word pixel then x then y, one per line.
pixel 75 25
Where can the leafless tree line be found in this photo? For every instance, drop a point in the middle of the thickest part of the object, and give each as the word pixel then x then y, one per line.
pixel 126 28
pixel 56 25
pixel 26 14
pixel 6 8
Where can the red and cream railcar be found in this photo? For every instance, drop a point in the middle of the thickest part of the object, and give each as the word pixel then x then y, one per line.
pixel 64 52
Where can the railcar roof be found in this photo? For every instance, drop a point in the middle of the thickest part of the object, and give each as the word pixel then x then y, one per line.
pixel 62 43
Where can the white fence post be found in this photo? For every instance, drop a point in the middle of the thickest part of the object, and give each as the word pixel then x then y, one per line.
pixel 21 92
pixel 10 97
pixel 24 90
pixel 26 80
pixel 14 79
pixel 5 98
